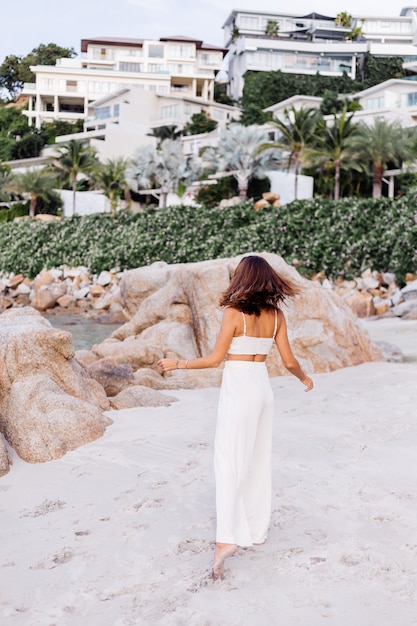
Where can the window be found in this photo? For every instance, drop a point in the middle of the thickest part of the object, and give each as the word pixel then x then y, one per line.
pixel 179 87
pixel 154 68
pixel 182 52
pixel 47 84
pixel 128 66
pixel 93 86
pixel 175 68
pixel 170 111
pixel 102 113
pixel 412 99
pixel 162 89
pixel 249 23
pixel 216 114
pixel 116 110
pixel 71 85
pixel 375 103
pixel 187 109
pixel 156 51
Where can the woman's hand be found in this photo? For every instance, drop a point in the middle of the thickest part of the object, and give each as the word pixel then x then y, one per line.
pixel 308 383
pixel 168 364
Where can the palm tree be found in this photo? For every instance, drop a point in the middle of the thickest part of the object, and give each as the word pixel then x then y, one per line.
pixel 238 152
pixel 74 159
pixel 166 167
pixel 343 19
pixel 169 131
pixel 336 148
pixel 111 178
pixel 272 29
pixel 6 179
pixel 297 132
pixel 34 184
pixel 381 144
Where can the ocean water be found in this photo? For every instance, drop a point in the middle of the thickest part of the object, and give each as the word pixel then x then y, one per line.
pixel 85 332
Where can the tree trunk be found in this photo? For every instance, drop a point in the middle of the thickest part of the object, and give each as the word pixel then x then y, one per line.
pixel 297 170
pixel 242 185
pixel 336 182
pixel 32 206
pixel 74 191
pixel 377 181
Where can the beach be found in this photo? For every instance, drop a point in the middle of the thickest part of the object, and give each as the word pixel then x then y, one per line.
pixel 121 531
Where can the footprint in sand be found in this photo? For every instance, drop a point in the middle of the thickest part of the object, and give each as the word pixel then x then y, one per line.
pixel 48 506
pixel 192 545
pixel 198 446
pixel 64 556
pixel 145 504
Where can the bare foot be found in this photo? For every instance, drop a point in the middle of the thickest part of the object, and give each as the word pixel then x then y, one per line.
pixel 221 553
pixel 259 543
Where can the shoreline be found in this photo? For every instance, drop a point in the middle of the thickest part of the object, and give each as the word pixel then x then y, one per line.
pixel 121 531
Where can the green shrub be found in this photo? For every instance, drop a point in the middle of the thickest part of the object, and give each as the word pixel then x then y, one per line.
pixel 341 238
pixel 19 209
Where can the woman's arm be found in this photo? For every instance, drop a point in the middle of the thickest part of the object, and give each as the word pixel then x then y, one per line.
pixel 288 359
pixel 216 356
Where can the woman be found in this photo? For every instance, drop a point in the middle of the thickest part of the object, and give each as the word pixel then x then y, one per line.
pixel 252 322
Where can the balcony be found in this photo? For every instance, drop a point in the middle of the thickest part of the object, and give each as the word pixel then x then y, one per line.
pixel 29 87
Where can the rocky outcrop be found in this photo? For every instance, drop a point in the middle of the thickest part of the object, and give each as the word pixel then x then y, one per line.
pixel 4 458
pixel 65 288
pixel 175 314
pixel 376 293
pixel 140 396
pixel 48 403
pixel 112 376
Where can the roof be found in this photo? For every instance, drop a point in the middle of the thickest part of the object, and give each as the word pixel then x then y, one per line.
pixel 291 100
pixel 316 16
pixel 381 87
pixel 138 43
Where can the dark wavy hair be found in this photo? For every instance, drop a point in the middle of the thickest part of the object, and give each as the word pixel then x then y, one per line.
pixel 256 286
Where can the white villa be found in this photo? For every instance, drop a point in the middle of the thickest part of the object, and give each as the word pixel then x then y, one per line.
pixel 119 123
pixel 312 43
pixel 394 100
pixel 170 65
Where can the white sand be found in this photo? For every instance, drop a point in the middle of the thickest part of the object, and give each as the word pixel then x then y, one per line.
pixel 120 532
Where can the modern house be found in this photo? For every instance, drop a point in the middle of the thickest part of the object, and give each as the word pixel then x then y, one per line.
pixel 170 65
pixel 117 124
pixel 307 44
pixel 394 100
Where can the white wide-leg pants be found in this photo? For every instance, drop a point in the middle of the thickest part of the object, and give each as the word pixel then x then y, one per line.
pixel 242 454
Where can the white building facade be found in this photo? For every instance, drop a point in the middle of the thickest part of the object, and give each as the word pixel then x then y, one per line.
pixel 312 43
pixel 118 124
pixel 169 65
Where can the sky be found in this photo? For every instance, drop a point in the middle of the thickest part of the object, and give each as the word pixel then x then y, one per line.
pixel 27 23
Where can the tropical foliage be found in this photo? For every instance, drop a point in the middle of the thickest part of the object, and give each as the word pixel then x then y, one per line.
pixel 164 168
pixel 34 184
pixel 199 123
pixel 110 177
pixel 74 160
pixel 297 130
pixel 336 148
pixel 342 238
pixel 238 152
pixel 263 89
pixel 15 70
pixel 381 144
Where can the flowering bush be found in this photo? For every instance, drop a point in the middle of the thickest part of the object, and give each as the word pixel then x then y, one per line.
pixel 341 238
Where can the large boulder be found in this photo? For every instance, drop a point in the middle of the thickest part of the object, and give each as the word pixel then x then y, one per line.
pixel 174 313
pixel 4 458
pixel 48 402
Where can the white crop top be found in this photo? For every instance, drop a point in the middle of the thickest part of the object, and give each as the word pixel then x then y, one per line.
pixel 252 345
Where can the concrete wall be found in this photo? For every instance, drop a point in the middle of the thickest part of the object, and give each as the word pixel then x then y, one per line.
pixel 87 202
pixel 282 183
